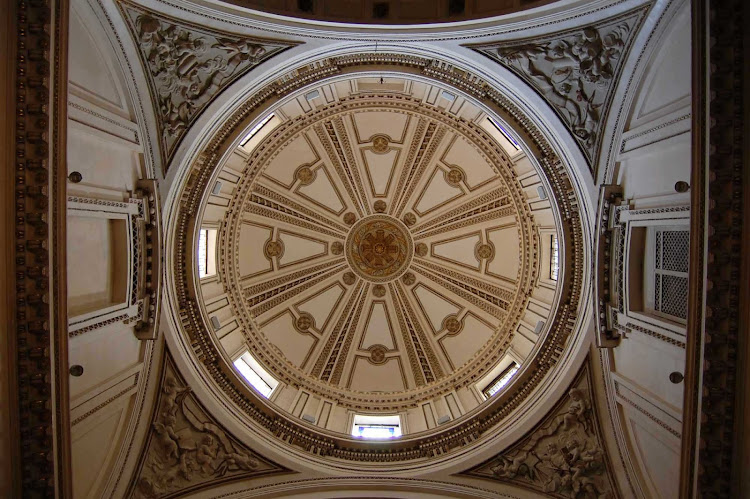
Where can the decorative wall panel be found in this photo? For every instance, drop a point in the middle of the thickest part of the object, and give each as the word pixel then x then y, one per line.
pixel 564 456
pixel 187 449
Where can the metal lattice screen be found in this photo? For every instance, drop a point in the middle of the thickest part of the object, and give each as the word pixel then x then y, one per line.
pixel 670 269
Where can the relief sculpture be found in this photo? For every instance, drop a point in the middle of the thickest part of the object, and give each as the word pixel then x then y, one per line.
pixel 563 456
pixel 573 71
pixel 187 67
pixel 186 450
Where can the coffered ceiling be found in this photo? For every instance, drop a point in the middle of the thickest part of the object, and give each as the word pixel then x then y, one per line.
pixel 376 247
pixel 400 238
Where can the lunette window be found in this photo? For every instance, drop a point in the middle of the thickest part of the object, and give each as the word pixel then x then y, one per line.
pixel 255 375
pixel 366 426
pixel 554 258
pixel 502 380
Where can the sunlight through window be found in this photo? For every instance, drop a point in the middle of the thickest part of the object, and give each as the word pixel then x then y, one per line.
pixel 554 260
pixel 378 427
pixel 258 377
pixel 501 380
pixel 256 129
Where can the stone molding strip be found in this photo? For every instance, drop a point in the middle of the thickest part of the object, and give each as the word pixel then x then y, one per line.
pixel 715 445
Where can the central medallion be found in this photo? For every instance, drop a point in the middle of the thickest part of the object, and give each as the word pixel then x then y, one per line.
pixel 379 248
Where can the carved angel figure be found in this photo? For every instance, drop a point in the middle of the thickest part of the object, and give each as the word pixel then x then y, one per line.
pixel 573 73
pixel 186 449
pixel 520 465
pixel 236 460
pixel 206 454
pixel 578 411
pixel 188 69
pixel 239 51
pixel 167 439
pixel 171 393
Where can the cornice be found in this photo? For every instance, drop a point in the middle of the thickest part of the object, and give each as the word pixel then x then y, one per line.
pixel 364 487
pixel 547 18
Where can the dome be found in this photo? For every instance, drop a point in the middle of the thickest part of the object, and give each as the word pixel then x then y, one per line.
pixel 386 247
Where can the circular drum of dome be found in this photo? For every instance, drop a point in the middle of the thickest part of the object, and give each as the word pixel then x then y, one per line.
pixel 404 255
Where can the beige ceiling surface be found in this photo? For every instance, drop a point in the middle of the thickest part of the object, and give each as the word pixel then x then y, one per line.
pixel 374 255
pixel 355 327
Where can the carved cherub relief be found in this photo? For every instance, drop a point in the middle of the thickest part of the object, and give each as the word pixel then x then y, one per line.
pixel 563 456
pixel 187 66
pixel 186 449
pixel 573 71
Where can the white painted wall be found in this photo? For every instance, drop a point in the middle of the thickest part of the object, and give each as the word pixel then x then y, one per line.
pixel 654 154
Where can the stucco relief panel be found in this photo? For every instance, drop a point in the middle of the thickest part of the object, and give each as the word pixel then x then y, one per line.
pixel 564 456
pixel 186 67
pixel 575 71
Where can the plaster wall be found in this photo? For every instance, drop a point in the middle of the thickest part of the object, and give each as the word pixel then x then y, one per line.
pixel 654 154
pixel 105 145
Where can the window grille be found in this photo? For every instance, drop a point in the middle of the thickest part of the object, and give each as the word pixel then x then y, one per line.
pixel 671 251
pixel 501 380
